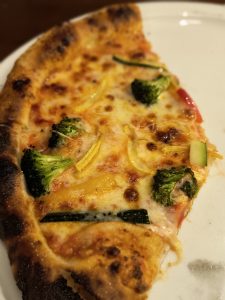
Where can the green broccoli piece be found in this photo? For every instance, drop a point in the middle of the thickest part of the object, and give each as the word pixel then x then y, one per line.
pixel 67 127
pixel 165 181
pixel 146 91
pixel 41 169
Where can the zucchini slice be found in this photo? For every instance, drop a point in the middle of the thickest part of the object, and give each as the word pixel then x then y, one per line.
pixel 136 216
pixel 198 153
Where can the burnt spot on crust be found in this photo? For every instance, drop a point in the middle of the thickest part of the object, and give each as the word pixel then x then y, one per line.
pixel 141 288
pixel 93 22
pixel 114 267
pixel 112 251
pixel 58 42
pixel 36 286
pixel 11 226
pixel 4 137
pixel 85 281
pixel 137 272
pixel 122 13
pixel 8 174
pixel 20 85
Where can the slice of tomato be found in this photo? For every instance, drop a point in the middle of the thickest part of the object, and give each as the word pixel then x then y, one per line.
pixel 186 98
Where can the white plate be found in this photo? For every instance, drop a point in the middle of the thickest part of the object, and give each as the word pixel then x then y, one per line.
pixel 190 38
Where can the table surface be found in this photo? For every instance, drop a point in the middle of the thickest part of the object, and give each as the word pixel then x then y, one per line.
pixel 20 20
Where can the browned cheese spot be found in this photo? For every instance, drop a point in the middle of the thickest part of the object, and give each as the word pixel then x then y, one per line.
pixel 55 88
pixel 110 97
pixel 167 136
pixel 131 194
pixel 107 66
pixel 132 177
pixel 138 55
pixel 151 146
pixel 108 108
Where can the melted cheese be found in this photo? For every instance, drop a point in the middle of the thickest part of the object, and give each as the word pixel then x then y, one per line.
pixel 107 106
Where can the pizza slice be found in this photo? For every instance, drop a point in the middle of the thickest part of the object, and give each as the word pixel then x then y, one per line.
pixel 101 155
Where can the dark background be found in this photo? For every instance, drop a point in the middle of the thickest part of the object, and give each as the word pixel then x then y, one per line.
pixel 20 20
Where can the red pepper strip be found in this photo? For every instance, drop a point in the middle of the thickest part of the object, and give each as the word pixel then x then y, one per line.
pixel 186 98
pixel 181 212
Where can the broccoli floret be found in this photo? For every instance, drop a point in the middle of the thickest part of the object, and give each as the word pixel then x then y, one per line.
pixel 165 181
pixel 147 91
pixel 40 170
pixel 67 127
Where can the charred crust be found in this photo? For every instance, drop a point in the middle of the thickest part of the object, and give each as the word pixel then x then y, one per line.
pixel 112 251
pixel 92 22
pixel 137 272
pixel 141 288
pixel 11 226
pixel 59 41
pixel 85 281
pixel 122 13
pixel 114 267
pixel 19 85
pixel 4 138
pixel 36 286
pixel 8 174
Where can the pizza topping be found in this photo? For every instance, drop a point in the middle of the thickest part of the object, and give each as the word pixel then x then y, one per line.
pixel 136 216
pixel 136 63
pixel 198 153
pixel 94 94
pixel 186 98
pixel 148 91
pixel 41 169
pixel 67 128
pixel 103 227
pixel 136 162
pixel 89 156
pixel 131 194
pixel 167 181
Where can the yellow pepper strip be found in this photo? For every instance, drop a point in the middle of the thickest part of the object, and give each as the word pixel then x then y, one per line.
pixel 173 149
pixel 134 159
pixel 89 156
pixel 94 96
